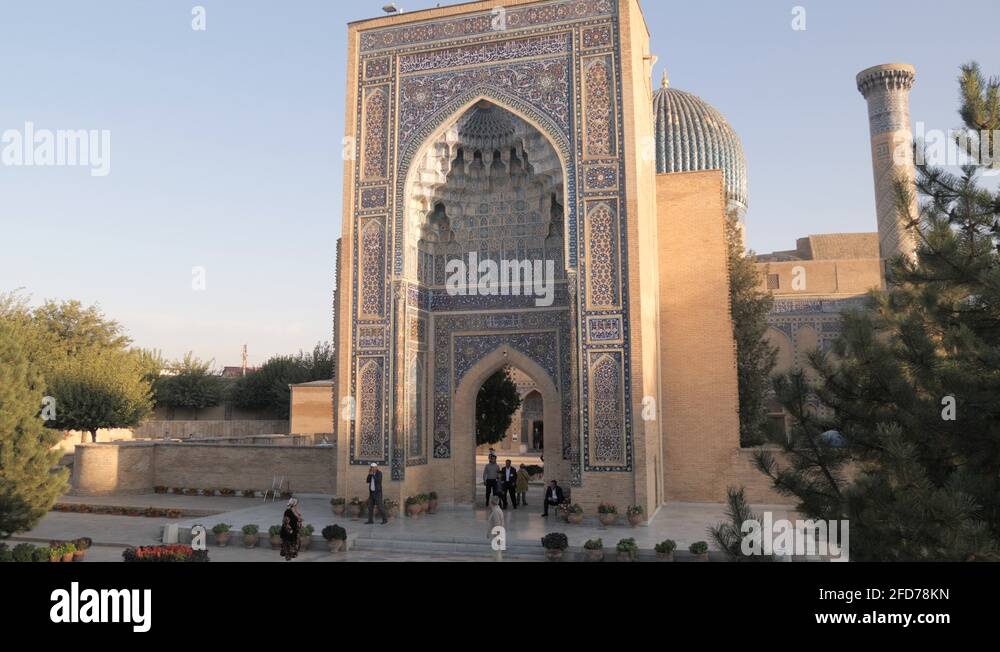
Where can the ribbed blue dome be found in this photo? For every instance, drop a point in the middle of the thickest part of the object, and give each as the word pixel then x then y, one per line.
pixel 692 136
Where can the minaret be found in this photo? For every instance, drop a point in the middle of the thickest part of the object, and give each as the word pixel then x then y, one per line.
pixel 887 90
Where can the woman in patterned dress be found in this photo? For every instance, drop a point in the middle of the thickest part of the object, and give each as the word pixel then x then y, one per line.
pixel 290 526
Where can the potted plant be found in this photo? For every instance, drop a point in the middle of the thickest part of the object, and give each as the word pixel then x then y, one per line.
pixel 55 553
pixel 574 514
pixel 305 536
pixel 160 489
pixel 221 531
pixel 634 513
pixel 607 514
pixel 555 544
pixel 665 550
pixel 432 502
pixel 338 505
pixel 627 549
pixel 275 533
pixel 250 536
pixel 390 507
pixel 190 492
pixel 412 506
pixel 354 508
pixel 336 537
pixel 82 545
pixel 424 501
pixel 208 492
pixel 700 550
pixel 249 493
pixel 177 490
pixel 67 550
pixel 227 492
pixel 593 550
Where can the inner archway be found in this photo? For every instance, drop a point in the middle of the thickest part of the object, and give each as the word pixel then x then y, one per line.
pixel 467 482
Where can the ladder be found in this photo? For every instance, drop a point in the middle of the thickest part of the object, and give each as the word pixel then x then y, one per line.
pixel 277 482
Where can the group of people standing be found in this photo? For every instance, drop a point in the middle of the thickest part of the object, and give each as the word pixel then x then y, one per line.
pixel 505 482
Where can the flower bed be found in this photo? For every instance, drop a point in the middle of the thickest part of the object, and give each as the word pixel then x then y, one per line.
pixel 115 510
pixel 165 553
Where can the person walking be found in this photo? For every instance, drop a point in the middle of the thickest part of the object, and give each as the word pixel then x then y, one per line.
pixel 491 476
pixel 508 476
pixel 374 482
pixel 495 520
pixel 291 523
pixel 522 485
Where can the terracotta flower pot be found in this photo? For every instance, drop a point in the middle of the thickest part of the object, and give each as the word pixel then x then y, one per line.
pixel 79 555
pixel 702 557
pixel 336 545
pixel 68 557
pixel 354 511
pixel 305 542
pixel 413 510
pixel 222 539
pixel 574 518
pixel 276 542
pixel 607 519
pixel 339 509
pixel 665 556
pixel 593 555
pixel 625 556
pixel 250 540
pixel 553 554
pixel 635 519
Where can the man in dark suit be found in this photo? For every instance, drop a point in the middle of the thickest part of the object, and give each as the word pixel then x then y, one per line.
pixel 553 496
pixel 508 476
pixel 374 482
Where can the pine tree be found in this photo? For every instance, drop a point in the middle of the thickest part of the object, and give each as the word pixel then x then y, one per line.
pixel 496 402
pixel 755 356
pixel 900 432
pixel 28 485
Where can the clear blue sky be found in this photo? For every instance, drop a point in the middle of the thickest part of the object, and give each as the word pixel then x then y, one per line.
pixel 226 154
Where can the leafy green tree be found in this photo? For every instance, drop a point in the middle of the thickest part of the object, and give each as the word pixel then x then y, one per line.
pixel 267 387
pixel 191 384
pixel 755 356
pixel 100 389
pixel 496 402
pixel 78 328
pixel 28 485
pixel 900 432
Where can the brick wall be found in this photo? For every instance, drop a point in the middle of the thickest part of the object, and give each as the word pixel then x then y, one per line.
pixel 137 467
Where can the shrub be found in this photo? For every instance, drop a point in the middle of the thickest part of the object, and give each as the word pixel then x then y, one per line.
pixel 355 501
pixel 274 530
pixel 208 492
pixel 250 529
pixel 221 528
pixel 190 492
pixel 628 545
pixel 337 501
pixel 6 556
pixel 555 541
pixel 177 490
pixel 594 544
pixel 698 548
pixel 410 500
pixel 534 469
pixel 307 530
pixel 666 546
pixel 249 493
pixel 607 508
pixel 389 504
pixel 227 492
pixel 25 552
pixel 634 510
pixel 334 533
pixel 160 490
pixel 42 553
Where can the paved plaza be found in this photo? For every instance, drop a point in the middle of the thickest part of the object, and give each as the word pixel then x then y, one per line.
pixel 453 534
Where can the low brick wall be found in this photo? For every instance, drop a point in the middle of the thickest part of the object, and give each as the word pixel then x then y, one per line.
pixel 194 429
pixel 137 467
